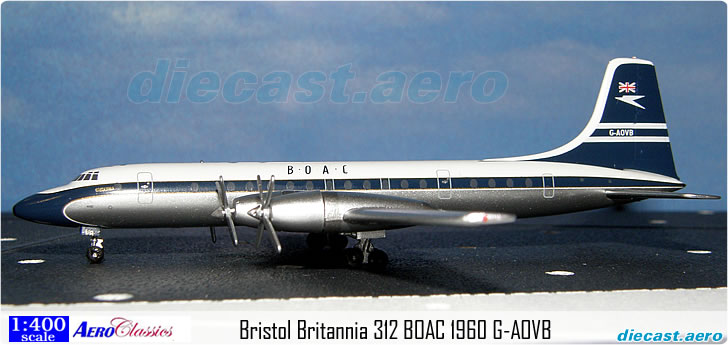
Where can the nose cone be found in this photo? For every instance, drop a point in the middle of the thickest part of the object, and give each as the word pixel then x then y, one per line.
pixel 23 208
pixel 43 208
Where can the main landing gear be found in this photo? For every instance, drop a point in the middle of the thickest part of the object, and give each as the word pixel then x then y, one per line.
pixel 95 252
pixel 363 254
pixel 321 240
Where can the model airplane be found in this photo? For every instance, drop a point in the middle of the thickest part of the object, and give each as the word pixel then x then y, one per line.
pixel 622 155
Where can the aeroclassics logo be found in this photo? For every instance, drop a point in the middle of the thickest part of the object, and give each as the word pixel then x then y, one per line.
pixel 173 83
pixel 124 328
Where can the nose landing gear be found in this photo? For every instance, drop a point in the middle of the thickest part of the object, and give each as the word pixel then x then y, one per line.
pixel 95 252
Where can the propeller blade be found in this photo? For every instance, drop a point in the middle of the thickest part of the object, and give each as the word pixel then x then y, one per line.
pixel 272 232
pixel 226 212
pixel 231 226
pixel 260 234
pixel 271 186
pixel 262 215
pixel 212 233
pixel 260 191
pixel 221 191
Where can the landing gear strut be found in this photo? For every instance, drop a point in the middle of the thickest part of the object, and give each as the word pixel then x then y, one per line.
pixel 95 252
pixel 365 253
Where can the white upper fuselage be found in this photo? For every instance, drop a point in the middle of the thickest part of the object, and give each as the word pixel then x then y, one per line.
pixel 342 170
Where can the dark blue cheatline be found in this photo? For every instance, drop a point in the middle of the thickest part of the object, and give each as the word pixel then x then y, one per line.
pixel 47 208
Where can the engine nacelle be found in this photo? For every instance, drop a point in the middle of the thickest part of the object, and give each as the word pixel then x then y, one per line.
pixel 318 211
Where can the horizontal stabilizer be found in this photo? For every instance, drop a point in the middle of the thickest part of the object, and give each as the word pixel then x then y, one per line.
pixel 408 217
pixel 646 194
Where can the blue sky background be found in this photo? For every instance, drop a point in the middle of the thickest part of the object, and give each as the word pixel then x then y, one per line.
pixel 66 68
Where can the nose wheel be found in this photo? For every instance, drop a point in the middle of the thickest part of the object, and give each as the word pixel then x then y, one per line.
pixel 95 252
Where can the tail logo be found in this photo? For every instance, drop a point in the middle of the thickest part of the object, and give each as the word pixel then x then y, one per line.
pixel 628 87
pixel 631 100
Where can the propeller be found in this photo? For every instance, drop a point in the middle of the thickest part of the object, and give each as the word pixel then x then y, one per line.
pixel 262 213
pixel 226 211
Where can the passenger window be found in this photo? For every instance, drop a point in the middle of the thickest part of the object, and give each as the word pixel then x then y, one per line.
pixel 289 185
pixel 195 187
pixel 367 185
pixel 249 186
pixel 423 184
pixel 529 182
pixel 491 183
pixel 473 183
pixel 509 183
pixel 347 184
pixel 309 185
pixel 404 184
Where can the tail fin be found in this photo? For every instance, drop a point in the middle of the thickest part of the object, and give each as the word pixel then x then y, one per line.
pixel 627 129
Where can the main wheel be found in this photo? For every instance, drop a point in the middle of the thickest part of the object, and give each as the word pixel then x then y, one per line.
pixel 354 257
pixel 95 255
pixel 378 259
pixel 316 241
pixel 338 241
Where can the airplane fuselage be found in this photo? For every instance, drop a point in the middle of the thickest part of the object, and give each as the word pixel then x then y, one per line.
pixel 184 194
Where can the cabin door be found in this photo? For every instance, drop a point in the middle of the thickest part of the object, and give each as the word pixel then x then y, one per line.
pixel 444 185
pixel 145 187
pixel 548 185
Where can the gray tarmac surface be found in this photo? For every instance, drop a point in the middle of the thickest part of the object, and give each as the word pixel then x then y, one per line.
pixel 606 250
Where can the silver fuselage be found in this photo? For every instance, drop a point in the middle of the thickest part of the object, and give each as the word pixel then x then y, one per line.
pixel 184 194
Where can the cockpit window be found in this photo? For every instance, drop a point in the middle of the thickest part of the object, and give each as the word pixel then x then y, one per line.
pixel 88 176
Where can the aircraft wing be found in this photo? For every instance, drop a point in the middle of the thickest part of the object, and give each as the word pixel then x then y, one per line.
pixel 646 194
pixel 408 217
